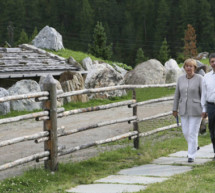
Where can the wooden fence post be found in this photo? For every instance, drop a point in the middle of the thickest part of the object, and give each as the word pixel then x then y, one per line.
pixel 49 84
pixel 135 124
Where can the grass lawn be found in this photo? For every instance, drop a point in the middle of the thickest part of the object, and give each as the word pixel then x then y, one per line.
pixel 201 179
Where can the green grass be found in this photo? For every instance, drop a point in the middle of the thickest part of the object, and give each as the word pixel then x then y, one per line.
pixel 85 172
pixel 79 56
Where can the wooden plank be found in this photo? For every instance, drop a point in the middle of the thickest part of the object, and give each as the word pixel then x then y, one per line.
pixel 24 138
pixel 135 124
pixel 24 160
pixel 23 96
pixel 99 142
pixel 24 117
pixel 96 108
pixel 14 50
pixel 50 125
pixel 111 88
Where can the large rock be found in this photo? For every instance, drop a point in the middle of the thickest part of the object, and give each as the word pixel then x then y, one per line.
pixel 173 71
pixel 24 87
pixel 71 81
pixel 122 71
pixel 101 74
pixel 58 88
pixel 5 106
pixel 202 55
pixel 48 38
pixel 201 68
pixel 72 61
pixel 149 72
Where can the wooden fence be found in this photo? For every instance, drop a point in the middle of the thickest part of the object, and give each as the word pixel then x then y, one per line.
pixel 50 115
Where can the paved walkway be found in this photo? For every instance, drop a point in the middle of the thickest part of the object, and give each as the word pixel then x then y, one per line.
pixel 136 178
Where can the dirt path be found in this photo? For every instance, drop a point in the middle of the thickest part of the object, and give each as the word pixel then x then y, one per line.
pixel 28 127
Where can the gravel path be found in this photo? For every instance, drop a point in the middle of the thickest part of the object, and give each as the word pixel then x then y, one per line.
pixel 28 127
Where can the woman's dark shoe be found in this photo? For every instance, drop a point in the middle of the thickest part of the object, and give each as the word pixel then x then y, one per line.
pixel 198 148
pixel 190 160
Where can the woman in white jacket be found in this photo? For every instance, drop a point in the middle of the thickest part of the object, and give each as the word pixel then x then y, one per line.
pixel 187 103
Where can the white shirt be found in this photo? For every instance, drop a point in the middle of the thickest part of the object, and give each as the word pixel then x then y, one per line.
pixel 208 89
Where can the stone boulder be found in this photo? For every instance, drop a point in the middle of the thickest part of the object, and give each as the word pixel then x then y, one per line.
pixel 101 74
pixel 72 61
pixel 24 87
pixel 71 81
pixel 5 106
pixel 48 38
pixel 148 72
pixel 122 71
pixel 173 71
pixel 201 68
pixel 202 55
pixel 58 87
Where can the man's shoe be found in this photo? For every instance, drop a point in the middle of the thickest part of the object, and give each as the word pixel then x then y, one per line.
pixel 190 160
pixel 198 148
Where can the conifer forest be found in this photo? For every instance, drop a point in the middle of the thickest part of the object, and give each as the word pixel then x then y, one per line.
pixel 129 24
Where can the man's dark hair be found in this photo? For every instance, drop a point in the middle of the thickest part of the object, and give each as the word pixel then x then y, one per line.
pixel 212 55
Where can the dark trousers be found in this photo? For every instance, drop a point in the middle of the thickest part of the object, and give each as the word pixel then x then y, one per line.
pixel 211 118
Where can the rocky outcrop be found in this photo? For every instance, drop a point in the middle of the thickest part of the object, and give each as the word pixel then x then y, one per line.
pixel 24 87
pixel 71 81
pixel 58 88
pixel 48 38
pixel 149 72
pixel 101 74
pixel 5 106
pixel 173 71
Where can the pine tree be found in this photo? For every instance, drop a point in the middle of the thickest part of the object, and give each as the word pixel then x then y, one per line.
pixel 34 34
pixel 162 24
pixel 23 37
pixel 164 52
pixel 140 57
pixel 205 36
pixel 190 49
pixel 99 48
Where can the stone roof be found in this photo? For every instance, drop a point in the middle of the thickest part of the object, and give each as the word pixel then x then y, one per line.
pixel 29 61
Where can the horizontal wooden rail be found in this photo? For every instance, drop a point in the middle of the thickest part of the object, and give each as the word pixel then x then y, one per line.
pixel 24 138
pixel 144 134
pixel 24 160
pixel 156 116
pixel 62 132
pixel 96 108
pixel 46 98
pixel 152 101
pixel 24 96
pixel 28 116
pixel 24 117
pixel 111 88
pixel 84 146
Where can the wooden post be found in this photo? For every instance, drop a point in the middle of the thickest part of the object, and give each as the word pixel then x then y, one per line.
pixel 135 124
pixel 50 125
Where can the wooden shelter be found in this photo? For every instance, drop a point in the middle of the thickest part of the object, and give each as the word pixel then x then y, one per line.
pixel 27 61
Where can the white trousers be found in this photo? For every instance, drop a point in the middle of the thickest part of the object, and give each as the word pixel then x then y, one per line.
pixel 190 128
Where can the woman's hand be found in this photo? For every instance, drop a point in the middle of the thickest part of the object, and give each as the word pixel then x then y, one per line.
pixel 175 113
pixel 204 115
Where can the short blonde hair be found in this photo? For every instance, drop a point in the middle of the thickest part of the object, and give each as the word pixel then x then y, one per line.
pixel 190 61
